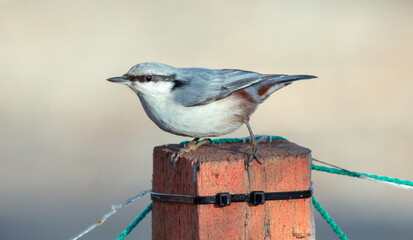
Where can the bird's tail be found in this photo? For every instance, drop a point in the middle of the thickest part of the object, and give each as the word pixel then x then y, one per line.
pixel 267 87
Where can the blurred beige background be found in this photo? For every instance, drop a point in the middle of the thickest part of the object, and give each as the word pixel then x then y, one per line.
pixel 72 143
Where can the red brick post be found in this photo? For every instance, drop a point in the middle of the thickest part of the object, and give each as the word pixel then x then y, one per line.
pixel 285 167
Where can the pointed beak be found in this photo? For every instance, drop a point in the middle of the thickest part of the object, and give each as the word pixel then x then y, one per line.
pixel 121 80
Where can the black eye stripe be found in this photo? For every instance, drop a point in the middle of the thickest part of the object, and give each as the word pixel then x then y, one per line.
pixel 135 78
pixel 149 78
pixel 129 77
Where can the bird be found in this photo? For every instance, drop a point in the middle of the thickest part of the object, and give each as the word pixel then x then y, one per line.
pixel 200 102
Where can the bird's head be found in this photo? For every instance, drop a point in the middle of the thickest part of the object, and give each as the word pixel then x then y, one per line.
pixel 148 78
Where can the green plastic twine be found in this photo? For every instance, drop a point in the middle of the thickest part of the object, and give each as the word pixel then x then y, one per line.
pixel 328 219
pixel 357 174
pixel 135 222
pixel 239 140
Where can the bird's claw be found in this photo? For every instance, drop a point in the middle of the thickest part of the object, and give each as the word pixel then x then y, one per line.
pixel 192 146
pixel 251 157
pixel 174 159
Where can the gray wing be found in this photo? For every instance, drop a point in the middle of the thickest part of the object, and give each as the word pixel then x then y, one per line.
pixel 198 86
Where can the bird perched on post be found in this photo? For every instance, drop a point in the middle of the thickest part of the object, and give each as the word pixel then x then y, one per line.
pixel 201 102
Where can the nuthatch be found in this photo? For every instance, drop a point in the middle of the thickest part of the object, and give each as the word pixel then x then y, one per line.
pixel 201 102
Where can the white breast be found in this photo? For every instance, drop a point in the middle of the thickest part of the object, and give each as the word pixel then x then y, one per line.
pixel 213 119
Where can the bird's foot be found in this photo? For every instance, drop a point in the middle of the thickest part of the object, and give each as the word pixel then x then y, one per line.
pixel 254 148
pixel 192 146
pixel 253 155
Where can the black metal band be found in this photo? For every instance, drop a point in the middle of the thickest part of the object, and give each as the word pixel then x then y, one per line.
pixel 225 199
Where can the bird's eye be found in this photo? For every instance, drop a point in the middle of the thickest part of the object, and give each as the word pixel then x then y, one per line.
pixel 148 78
